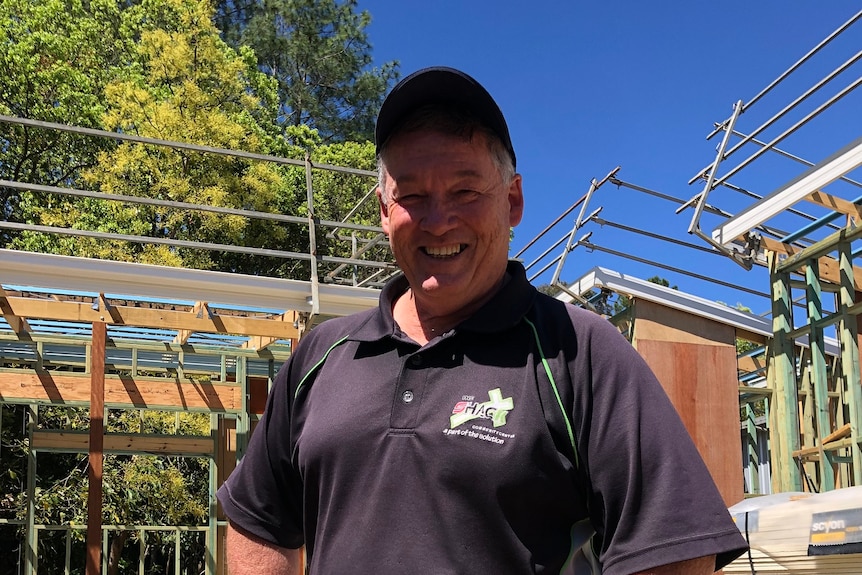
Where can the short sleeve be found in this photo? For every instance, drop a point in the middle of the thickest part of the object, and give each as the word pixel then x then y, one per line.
pixel 263 495
pixel 653 500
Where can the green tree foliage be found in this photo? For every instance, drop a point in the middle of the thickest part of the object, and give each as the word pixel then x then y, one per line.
pixel 13 479
pixel 231 16
pixel 319 52
pixel 56 56
pixel 186 85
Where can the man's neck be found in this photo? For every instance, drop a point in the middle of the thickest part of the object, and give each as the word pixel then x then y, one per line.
pixel 422 324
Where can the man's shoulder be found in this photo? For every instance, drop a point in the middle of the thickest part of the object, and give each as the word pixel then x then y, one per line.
pixel 332 331
pixel 553 311
pixel 567 328
pixel 319 341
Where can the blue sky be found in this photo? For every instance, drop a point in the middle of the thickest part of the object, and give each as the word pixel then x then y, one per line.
pixel 588 86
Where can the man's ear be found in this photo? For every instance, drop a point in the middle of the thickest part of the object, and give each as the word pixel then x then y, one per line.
pixel 384 212
pixel 516 201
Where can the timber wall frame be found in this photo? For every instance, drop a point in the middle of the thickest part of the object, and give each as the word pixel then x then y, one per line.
pixel 792 399
pixel 819 411
pixel 231 388
pixel 807 381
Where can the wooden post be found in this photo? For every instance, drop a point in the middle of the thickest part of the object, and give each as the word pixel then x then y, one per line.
pixel 97 433
pixel 784 418
pixel 850 360
pixel 819 373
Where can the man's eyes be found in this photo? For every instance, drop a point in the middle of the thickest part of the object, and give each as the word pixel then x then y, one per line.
pixel 464 194
pixel 408 198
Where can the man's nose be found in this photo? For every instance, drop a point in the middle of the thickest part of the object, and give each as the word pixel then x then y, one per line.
pixel 438 217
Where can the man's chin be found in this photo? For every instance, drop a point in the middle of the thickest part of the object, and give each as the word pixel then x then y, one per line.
pixel 441 287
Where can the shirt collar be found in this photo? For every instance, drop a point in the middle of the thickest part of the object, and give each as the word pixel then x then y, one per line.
pixel 504 310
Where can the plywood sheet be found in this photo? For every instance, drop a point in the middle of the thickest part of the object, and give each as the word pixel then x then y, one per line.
pixel 258 388
pixel 695 361
pixel 657 322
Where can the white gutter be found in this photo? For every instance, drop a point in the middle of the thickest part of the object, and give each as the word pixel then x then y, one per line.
pixel 144 280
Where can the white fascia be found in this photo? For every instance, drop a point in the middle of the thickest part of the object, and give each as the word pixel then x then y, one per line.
pixel 815 178
pixel 144 280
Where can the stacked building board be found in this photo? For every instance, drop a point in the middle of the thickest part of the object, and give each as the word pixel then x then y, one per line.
pixel 801 533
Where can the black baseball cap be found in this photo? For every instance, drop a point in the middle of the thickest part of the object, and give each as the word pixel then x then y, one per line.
pixel 444 86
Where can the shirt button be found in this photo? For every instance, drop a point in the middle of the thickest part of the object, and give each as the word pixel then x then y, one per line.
pixel 416 360
pixel 407 396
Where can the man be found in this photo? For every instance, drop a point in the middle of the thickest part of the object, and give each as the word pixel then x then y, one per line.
pixel 468 425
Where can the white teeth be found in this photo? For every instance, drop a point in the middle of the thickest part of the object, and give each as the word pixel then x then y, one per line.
pixel 443 251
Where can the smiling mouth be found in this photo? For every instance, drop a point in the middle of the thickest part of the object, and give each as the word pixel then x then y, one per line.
pixel 444 251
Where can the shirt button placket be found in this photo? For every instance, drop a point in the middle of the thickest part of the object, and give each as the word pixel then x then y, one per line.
pixel 405 409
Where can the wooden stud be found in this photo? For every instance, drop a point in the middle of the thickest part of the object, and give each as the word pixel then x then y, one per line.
pixel 120 392
pixel 94 474
pixel 819 378
pixel 782 378
pixel 18 324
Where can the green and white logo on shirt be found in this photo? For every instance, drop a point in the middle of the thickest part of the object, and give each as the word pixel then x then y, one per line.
pixel 496 409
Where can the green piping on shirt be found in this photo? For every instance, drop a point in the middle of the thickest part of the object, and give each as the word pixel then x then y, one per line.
pixel 556 391
pixel 317 365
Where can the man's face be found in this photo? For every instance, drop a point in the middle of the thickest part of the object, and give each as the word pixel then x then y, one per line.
pixel 448 214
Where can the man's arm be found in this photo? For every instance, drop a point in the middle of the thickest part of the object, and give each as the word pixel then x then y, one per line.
pixel 248 554
pixel 699 566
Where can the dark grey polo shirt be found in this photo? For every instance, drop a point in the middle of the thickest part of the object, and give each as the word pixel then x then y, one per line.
pixel 488 450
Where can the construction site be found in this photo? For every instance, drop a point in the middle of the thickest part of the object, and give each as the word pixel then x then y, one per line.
pixel 772 400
